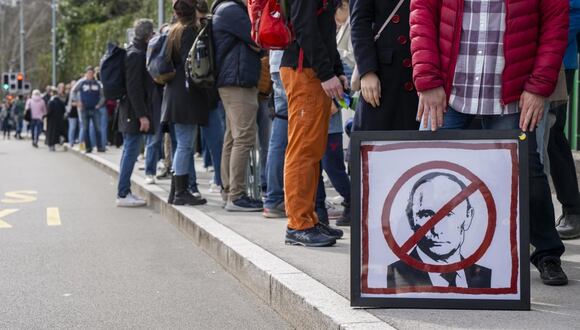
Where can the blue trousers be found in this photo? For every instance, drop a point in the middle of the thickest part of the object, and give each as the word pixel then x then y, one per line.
pixel 213 135
pixel 131 150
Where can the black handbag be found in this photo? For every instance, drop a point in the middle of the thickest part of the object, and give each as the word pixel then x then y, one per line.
pixel 28 115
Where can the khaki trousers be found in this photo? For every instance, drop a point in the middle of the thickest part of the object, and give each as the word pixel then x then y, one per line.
pixel 241 108
pixel 308 120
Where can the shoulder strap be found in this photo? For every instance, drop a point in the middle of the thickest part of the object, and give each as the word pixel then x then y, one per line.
pixel 389 19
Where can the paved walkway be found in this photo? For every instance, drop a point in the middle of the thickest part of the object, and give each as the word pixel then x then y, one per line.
pixel 552 307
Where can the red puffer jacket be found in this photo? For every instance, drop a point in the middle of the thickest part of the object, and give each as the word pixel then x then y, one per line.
pixel 534 44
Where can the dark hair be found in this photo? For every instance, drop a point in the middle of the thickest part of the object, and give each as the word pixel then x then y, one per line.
pixel 202 6
pixel 427 178
pixel 177 28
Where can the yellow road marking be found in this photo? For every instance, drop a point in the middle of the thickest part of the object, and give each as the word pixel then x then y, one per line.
pixel 4 213
pixel 53 216
pixel 19 197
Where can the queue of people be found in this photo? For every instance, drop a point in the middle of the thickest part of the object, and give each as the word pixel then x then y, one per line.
pixel 418 64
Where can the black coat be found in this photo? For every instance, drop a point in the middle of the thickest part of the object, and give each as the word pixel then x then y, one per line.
pixel 138 101
pixel 390 58
pixel 55 120
pixel 180 105
pixel 237 64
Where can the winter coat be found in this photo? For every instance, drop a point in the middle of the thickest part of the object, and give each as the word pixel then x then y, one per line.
pixel 37 107
pixel 138 101
pixel 180 105
pixel 390 58
pixel 237 64
pixel 534 43
pixel 55 120
pixel 315 30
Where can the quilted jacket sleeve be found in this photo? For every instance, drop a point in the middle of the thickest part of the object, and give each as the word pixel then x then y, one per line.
pixel 424 44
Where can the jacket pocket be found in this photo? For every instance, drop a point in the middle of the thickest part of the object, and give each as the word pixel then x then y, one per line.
pixel 385 56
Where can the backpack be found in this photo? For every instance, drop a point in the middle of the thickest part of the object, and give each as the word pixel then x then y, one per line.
pixel 270 28
pixel 200 64
pixel 112 72
pixel 159 64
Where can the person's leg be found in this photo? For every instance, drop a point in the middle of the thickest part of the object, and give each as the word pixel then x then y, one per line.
pixel 264 129
pixel 277 147
pixel 97 125
pixel 38 130
pixel 104 123
pixel 226 156
pixel 213 134
pixel 92 131
pixel 182 162
pixel 320 202
pixel 86 115
pixel 168 150
pixel 308 120
pixel 333 164
pixel 151 154
pixel 72 127
pixel 543 234
pixel 241 106
pixel 131 147
pixel 192 184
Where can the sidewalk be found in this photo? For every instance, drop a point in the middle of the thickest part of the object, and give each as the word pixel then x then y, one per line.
pixel 310 286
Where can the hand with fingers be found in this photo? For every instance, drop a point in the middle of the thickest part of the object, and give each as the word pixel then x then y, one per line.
pixel 370 86
pixel 432 105
pixel 333 88
pixel 532 111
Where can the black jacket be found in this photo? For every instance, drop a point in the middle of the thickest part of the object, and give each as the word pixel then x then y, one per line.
pixel 180 105
pixel 237 64
pixel 138 101
pixel 316 35
pixel 390 58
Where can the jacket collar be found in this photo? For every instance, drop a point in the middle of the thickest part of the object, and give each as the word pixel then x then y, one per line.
pixel 140 44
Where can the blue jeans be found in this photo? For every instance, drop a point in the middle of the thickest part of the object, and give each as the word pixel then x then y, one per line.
pixel 277 147
pixel 333 165
pixel 19 124
pixel 153 152
pixel 88 116
pixel 131 150
pixel 36 126
pixel 72 130
pixel 543 235
pixel 183 163
pixel 101 120
pixel 213 135
pixel 264 129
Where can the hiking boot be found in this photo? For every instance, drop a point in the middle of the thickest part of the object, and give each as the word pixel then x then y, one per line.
pixel 182 194
pixel 244 204
pixel 277 212
pixel 130 201
pixel 329 231
pixel 551 271
pixel 569 226
pixel 344 220
pixel 312 237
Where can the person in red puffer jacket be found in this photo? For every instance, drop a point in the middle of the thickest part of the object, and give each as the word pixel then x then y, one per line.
pixel 499 60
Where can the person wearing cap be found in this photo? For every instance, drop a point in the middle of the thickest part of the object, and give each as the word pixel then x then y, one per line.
pixel 91 98
pixel 135 110
pixel 185 109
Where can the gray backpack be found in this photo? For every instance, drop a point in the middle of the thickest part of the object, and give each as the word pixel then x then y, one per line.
pixel 200 63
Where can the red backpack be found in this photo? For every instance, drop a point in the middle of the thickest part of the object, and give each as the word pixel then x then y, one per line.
pixel 271 29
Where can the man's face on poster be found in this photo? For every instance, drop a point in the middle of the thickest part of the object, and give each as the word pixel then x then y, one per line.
pixel 444 240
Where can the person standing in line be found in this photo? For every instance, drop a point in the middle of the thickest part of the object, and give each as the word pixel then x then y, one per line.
pixel 134 110
pixel 274 201
pixel 73 118
pixel 37 112
pixel 18 112
pixel 6 120
pixel 312 74
pixel 182 108
pixel 55 117
pixel 264 120
pixel 90 95
pixel 238 66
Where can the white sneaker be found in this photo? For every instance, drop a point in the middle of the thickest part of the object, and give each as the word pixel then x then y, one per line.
pixel 130 201
pixel 150 179
pixel 214 188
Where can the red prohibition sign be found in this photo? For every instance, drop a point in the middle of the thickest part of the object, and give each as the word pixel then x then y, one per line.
pixel 476 185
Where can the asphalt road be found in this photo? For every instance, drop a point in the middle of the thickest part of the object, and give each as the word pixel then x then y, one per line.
pixel 70 259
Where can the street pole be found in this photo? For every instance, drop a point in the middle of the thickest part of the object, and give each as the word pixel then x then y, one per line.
pixel 160 13
pixel 53 5
pixel 22 38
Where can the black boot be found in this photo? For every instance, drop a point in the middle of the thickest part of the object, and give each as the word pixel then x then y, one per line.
pixel 182 194
pixel 344 220
pixel 569 226
pixel 171 197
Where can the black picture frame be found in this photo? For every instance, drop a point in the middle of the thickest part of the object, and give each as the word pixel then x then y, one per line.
pixel 357 300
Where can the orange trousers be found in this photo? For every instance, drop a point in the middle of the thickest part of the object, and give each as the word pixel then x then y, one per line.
pixel 308 120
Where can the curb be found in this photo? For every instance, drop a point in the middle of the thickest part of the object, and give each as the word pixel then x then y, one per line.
pixel 300 299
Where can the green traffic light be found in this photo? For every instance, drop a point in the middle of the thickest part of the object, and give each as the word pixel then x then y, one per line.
pixel 5 87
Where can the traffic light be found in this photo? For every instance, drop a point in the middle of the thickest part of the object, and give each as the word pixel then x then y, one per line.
pixel 6 82
pixel 20 81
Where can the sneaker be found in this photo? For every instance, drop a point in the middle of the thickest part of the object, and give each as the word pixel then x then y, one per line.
pixel 165 175
pixel 244 204
pixel 329 231
pixel 312 237
pixel 102 150
pixel 130 201
pixel 551 271
pixel 344 220
pixel 275 212
pixel 150 179
pixel 568 226
pixel 214 188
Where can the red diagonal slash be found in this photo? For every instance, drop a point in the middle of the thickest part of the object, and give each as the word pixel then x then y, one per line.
pixel 458 199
